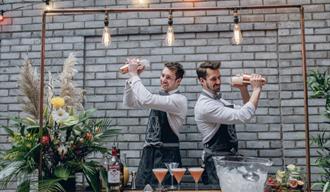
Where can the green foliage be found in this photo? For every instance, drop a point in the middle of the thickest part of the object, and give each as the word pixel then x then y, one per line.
pixel 319 83
pixel 65 146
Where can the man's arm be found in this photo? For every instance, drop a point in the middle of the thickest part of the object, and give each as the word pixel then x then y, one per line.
pixel 245 94
pixel 256 82
pixel 174 103
pixel 129 99
pixel 215 112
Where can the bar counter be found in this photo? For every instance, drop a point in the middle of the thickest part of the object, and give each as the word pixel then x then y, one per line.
pixel 185 187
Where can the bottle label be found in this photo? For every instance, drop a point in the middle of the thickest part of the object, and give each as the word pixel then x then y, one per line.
pixel 113 175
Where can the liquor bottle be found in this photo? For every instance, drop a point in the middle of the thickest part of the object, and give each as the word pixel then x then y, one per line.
pixel 115 172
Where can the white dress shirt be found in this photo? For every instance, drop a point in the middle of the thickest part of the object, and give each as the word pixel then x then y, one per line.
pixel 175 105
pixel 211 113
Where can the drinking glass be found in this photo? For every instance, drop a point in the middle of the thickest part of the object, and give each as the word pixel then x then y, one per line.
pixel 178 174
pixel 160 175
pixel 196 173
pixel 171 166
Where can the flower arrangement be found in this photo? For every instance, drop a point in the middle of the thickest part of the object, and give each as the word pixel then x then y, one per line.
pixel 68 136
pixel 289 180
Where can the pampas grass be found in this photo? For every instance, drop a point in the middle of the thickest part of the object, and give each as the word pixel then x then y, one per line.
pixel 73 96
pixel 29 86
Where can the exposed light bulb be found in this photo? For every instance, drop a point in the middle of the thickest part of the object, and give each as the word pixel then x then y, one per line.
pixel 48 5
pixel 106 36
pixel 237 37
pixel 1 15
pixel 170 37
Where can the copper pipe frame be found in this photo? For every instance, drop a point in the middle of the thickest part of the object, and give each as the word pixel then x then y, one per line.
pixel 119 10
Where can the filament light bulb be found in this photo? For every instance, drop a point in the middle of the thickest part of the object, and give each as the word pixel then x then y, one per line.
pixel 170 37
pixel 237 37
pixel 1 15
pixel 106 36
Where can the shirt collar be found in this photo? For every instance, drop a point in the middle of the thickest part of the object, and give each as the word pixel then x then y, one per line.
pixel 171 92
pixel 212 95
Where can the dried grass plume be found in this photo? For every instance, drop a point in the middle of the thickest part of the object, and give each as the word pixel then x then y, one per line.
pixel 28 84
pixel 73 96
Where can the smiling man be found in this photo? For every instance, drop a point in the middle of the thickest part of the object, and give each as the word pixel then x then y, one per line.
pixel 215 116
pixel 168 111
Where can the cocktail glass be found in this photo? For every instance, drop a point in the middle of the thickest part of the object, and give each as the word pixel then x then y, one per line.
pixel 171 166
pixel 178 174
pixel 196 173
pixel 160 175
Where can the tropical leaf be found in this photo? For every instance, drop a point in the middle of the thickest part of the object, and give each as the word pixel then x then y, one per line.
pixel 92 175
pixel 62 172
pixel 104 178
pixel 24 186
pixel 50 185
pixel 9 172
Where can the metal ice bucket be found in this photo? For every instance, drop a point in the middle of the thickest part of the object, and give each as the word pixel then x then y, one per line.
pixel 241 174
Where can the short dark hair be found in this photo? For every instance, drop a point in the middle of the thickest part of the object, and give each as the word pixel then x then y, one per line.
pixel 177 68
pixel 202 69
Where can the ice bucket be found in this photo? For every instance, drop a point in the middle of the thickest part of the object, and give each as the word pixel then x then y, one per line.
pixel 241 174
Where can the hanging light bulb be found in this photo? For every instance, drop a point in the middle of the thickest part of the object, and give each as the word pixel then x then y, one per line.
pixel 237 37
pixel 106 36
pixel 170 37
pixel 48 6
pixel 1 15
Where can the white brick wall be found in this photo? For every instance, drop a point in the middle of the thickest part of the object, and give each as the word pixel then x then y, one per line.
pixel 271 46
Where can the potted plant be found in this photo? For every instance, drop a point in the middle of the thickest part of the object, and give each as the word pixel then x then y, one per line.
pixel 290 180
pixel 319 83
pixel 70 134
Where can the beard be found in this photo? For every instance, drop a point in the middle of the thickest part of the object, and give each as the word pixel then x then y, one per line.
pixel 215 88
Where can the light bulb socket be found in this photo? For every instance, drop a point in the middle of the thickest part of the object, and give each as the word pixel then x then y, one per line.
pixel 236 18
pixel 46 1
pixel 106 20
pixel 170 19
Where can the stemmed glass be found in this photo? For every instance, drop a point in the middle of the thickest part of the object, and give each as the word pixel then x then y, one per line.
pixel 170 166
pixel 196 173
pixel 178 174
pixel 160 175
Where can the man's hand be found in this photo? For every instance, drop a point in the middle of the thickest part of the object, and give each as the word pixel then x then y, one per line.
pixel 256 81
pixel 135 69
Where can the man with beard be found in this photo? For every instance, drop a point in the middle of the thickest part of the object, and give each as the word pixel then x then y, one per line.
pixel 168 111
pixel 215 116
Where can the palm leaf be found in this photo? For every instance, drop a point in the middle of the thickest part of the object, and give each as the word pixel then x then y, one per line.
pixel 9 173
pixel 62 172
pixel 104 177
pixel 24 187
pixel 92 175
pixel 50 185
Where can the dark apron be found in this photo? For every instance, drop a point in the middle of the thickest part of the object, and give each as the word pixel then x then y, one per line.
pixel 163 146
pixel 223 143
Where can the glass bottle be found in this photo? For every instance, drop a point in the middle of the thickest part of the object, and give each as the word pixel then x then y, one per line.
pixel 115 172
